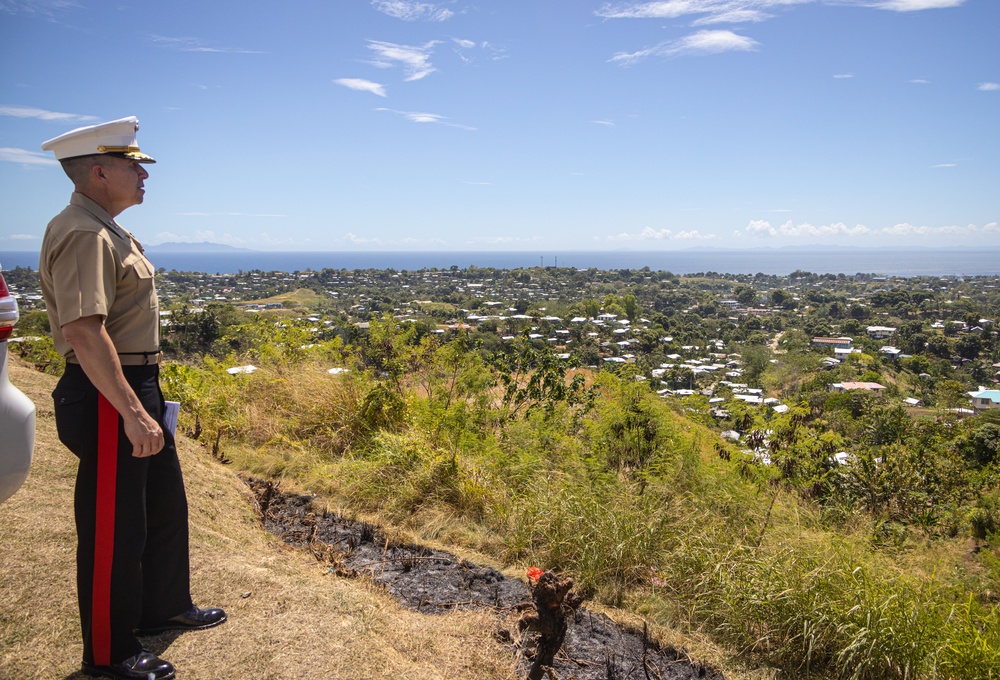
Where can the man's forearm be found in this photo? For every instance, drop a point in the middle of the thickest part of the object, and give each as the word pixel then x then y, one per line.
pixel 99 360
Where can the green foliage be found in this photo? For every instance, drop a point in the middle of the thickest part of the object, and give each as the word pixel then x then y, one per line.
pixel 982 445
pixel 756 359
pixel 984 519
pixel 499 445
pixel 837 616
pixel 33 323
pixel 40 352
pixel 382 409
pixel 627 430
pixel 534 378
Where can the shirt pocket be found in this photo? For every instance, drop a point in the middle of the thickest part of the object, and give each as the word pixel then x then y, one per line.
pixel 141 270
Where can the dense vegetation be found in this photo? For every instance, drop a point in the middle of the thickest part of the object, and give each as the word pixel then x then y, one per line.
pixel 844 535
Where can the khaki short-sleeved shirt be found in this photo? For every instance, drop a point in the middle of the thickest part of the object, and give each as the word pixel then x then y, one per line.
pixel 90 266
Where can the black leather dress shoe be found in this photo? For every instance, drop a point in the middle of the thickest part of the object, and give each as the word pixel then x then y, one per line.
pixel 193 619
pixel 142 666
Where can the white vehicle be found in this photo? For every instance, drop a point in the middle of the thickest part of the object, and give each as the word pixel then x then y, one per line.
pixel 17 412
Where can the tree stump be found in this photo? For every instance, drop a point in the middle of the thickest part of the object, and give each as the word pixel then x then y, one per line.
pixel 552 604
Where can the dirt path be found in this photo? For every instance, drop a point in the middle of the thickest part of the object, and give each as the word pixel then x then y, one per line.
pixel 434 581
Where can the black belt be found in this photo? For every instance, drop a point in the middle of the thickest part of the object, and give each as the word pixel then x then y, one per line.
pixel 132 358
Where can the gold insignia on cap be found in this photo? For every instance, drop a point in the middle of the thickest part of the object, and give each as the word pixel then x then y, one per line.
pixel 118 149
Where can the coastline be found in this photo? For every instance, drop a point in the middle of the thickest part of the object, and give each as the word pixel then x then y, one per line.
pixel 879 262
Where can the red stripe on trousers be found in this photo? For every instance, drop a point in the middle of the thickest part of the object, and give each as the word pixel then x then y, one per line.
pixel 104 538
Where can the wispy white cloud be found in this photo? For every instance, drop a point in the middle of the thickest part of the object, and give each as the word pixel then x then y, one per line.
pixel 421 117
pixel 607 123
pixel 25 157
pixel 920 81
pixel 700 43
pixel 415 60
pixel 228 214
pixel 744 11
pixel 736 16
pixel 362 85
pixel 790 229
pixel 843 76
pixel 905 229
pixel 650 234
pixel 763 228
pixel 356 240
pixel 42 114
pixel 717 11
pixel 945 165
pixel 670 9
pixel 989 87
pixel 197 45
pixel 915 5
pixel 497 53
pixel 467 50
pixel 43 7
pixel 412 10
pixel 714 12
pixel 22 237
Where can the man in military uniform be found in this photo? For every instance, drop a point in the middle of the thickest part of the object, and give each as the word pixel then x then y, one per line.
pixel 130 506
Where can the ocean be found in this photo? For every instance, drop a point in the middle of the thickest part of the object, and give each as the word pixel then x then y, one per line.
pixel 882 262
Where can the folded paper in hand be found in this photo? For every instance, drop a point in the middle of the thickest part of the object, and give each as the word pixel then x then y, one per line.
pixel 172 408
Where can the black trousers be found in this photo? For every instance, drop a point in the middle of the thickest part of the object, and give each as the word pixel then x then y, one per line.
pixel 131 517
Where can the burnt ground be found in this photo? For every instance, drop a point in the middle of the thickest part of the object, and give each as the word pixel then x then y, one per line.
pixel 434 581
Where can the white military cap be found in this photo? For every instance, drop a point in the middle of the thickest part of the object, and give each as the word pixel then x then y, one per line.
pixel 116 138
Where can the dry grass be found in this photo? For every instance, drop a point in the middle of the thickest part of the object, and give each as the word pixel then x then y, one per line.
pixel 288 617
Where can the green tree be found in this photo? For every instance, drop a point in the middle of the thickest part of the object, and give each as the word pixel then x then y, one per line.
pixel 969 346
pixel 631 306
pixel 939 346
pixel 756 360
pixel 982 445
pixel 779 298
pixel 745 295
pixel 629 433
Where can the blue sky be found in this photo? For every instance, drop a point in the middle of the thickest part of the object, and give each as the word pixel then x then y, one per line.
pixel 518 124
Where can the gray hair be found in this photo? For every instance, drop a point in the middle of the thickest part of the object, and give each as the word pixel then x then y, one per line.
pixel 78 167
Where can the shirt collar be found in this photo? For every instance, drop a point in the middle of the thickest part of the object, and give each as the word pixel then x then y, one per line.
pixel 91 206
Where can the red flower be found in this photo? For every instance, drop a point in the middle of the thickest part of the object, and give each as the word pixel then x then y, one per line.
pixel 534 573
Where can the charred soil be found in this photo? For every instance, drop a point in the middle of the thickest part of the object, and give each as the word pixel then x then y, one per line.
pixel 433 581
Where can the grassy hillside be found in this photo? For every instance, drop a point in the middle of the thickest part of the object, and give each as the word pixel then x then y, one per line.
pixel 644 506
pixel 300 298
pixel 288 617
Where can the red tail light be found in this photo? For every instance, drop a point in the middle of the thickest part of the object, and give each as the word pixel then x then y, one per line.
pixel 8 310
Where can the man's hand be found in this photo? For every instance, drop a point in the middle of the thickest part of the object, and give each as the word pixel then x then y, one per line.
pixel 145 434
pixel 99 360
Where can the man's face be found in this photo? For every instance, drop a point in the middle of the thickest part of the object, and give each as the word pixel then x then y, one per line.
pixel 125 180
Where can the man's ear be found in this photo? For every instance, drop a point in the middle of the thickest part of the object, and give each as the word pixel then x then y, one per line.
pixel 97 172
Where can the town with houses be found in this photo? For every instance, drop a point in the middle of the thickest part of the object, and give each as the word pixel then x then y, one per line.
pixel 709 335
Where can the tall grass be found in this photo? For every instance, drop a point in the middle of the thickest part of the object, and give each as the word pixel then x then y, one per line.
pixel 630 498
